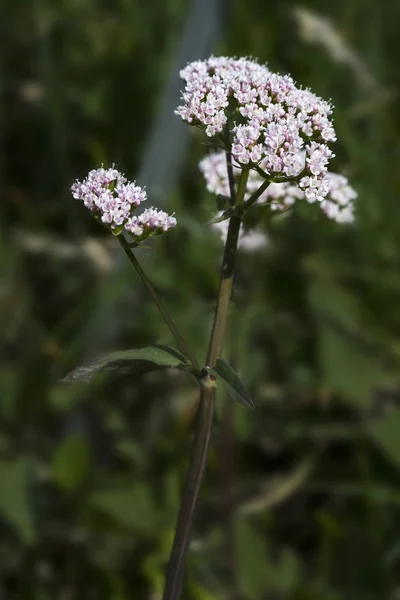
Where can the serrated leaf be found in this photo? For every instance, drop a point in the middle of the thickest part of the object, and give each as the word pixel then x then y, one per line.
pixel 14 497
pixel 71 462
pixel 136 360
pixel 232 382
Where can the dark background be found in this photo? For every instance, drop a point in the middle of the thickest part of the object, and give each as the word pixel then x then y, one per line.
pixel 90 475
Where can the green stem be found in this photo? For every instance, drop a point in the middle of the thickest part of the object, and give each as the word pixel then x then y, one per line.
pixel 204 419
pixel 224 293
pixel 194 479
pixel 242 186
pixel 229 167
pixel 257 194
pixel 231 177
pixel 227 449
pixel 160 305
pixel 225 285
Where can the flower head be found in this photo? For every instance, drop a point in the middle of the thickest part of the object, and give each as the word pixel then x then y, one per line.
pixel 270 119
pixel 150 222
pixel 337 202
pixel 112 199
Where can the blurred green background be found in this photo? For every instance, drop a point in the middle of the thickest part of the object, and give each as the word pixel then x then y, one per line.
pixel 308 506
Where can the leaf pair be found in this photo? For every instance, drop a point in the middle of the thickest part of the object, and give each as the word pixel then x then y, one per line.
pixel 138 361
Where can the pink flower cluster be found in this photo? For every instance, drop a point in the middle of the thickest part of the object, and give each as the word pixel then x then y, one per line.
pixel 112 199
pixel 151 220
pixel 270 119
pixel 338 203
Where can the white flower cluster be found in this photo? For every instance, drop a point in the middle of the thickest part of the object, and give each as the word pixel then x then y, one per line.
pixel 270 119
pixel 337 205
pixel 112 200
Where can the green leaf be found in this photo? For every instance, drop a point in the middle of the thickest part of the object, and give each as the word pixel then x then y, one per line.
pixel 223 202
pixel 137 361
pixel 14 496
pixel 351 358
pixel 232 382
pixel 131 507
pixel 71 462
pixel 226 215
pixel 385 432
pixel 356 551
pixel 254 569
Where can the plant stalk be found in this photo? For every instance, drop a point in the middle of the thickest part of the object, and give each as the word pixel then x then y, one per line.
pixel 227 451
pixel 183 346
pixel 194 479
pixel 257 194
pixel 204 417
pixel 225 285
pixel 231 177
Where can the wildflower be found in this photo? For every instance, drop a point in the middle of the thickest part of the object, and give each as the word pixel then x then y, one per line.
pixel 150 222
pixel 271 120
pixel 337 202
pixel 112 199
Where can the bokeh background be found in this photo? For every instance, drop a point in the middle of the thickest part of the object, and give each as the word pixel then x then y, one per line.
pixel 302 501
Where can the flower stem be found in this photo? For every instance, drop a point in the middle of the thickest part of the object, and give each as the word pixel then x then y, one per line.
pixel 224 293
pixel 194 479
pixel 204 418
pixel 257 194
pixel 226 452
pixel 225 285
pixel 160 305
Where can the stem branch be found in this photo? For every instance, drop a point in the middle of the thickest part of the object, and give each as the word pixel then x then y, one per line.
pixel 159 303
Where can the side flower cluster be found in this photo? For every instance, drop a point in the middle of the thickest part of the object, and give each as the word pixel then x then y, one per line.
pixel 270 119
pixel 338 203
pixel 112 199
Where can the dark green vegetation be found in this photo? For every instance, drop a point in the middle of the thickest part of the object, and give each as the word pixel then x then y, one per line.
pixel 90 474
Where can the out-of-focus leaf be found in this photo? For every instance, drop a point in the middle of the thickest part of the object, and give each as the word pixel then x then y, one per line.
pixel 254 569
pixel 223 202
pixel 137 361
pixel 287 572
pixel 71 462
pixel 132 451
pixel 355 565
pixel 63 398
pixel 386 433
pixel 130 507
pixel 200 593
pixel 8 386
pixel 172 491
pixel 352 363
pixel 14 496
pixel 230 379
pixel 374 491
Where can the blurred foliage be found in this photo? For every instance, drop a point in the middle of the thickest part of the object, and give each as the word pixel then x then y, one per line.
pixel 90 474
